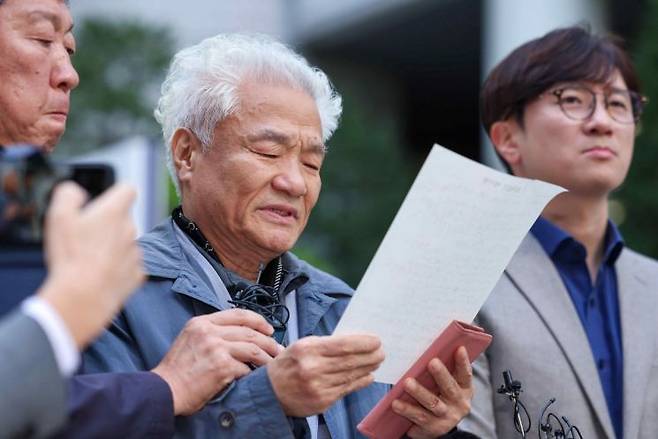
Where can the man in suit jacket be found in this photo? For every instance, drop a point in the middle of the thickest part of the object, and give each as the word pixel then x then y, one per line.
pixel 93 264
pixel 573 315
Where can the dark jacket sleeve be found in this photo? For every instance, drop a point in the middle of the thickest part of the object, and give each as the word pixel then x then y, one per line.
pixel 459 434
pixel 455 433
pixel 119 405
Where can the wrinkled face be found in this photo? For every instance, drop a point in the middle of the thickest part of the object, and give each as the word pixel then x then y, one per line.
pixel 37 76
pixel 259 181
pixel 590 157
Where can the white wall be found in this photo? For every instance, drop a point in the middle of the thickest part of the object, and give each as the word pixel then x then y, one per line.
pixel 140 163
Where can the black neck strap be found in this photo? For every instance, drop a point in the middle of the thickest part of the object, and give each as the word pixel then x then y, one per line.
pixel 194 232
pixel 264 300
pixel 274 270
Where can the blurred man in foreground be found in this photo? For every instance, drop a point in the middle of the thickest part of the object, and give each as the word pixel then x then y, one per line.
pixel 245 121
pixel 93 263
pixel 573 316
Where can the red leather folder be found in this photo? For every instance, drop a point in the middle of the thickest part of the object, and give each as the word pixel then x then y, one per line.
pixel 382 422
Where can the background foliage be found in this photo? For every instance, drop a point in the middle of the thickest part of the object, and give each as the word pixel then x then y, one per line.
pixel 639 195
pixel 365 177
pixel 121 66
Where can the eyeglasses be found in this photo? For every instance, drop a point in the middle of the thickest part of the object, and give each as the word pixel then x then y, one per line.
pixel 579 103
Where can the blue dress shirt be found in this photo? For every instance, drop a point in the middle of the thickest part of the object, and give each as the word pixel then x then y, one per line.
pixel 596 303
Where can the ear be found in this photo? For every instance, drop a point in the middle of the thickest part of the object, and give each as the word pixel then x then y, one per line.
pixel 504 136
pixel 185 146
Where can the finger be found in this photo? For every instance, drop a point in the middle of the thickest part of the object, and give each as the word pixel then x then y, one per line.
pixel 355 361
pixel 426 425
pixel 413 412
pixel 241 369
pixel 241 317
pixel 425 398
pixel 67 199
pixel 347 378
pixel 463 371
pixel 448 387
pixel 357 384
pixel 248 353
pixel 135 266
pixel 246 334
pixel 118 198
pixel 342 345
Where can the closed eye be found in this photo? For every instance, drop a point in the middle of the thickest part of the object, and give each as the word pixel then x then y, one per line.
pixel 44 42
pixel 269 156
pixel 312 166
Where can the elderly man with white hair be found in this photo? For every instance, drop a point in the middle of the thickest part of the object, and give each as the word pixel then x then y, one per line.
pixel 245 121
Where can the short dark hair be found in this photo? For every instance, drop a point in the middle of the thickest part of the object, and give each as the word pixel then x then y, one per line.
pixel 563 55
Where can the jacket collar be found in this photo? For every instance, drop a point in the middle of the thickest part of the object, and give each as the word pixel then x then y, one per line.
pixel 536 278
pixel 316 290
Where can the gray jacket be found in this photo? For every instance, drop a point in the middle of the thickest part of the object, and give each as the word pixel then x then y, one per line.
pixel 32 390
pixel 174 292
pixel 539 336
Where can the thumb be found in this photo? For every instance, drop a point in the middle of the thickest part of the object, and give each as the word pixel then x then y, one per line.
pixel 67 199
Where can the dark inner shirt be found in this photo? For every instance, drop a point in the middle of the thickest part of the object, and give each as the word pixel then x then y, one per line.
pixel 596 303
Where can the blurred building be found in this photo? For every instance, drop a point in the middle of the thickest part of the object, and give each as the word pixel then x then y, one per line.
pixel 430 56
pixel 419 60
pixel 416 63
pixel 139 162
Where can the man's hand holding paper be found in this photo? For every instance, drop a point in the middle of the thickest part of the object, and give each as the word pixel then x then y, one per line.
pixel 455 232
pixel 433 414
pixel 315 372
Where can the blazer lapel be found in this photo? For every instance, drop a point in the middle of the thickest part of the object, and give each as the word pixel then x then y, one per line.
pixel 637 312
pixel 536 277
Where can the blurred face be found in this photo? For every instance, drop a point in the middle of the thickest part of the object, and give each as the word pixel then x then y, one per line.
pixel 37 76
pixel 589 157
pixel 254 189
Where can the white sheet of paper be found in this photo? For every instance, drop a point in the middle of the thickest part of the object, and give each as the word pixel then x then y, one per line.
pixel 448 245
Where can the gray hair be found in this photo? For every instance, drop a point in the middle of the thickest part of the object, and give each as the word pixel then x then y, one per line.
pixel 201 88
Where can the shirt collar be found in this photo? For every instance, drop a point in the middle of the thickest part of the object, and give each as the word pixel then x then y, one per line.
pixel 553 240
pixel 293 276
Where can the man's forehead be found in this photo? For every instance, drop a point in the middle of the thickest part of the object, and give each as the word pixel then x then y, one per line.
pixel 35 11
pixel 609 86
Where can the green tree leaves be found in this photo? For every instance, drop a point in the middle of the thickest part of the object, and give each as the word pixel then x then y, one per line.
pixel 639 194
pixel 121 66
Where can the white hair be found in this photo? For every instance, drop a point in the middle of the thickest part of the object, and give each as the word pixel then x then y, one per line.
pixel 201 88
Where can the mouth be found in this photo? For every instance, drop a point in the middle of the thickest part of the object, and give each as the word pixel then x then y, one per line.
pixel 61 115
pixel 281 212
pixel 600 152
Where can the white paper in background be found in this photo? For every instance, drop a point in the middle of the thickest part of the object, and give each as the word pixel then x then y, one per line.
pixel 448 245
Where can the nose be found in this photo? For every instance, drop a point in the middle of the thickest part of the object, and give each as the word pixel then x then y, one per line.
pixel 290 179
pixel 600 122
pixel 63 74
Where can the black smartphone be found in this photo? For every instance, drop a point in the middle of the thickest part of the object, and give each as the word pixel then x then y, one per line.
pixel 27 179
pixel 94 177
